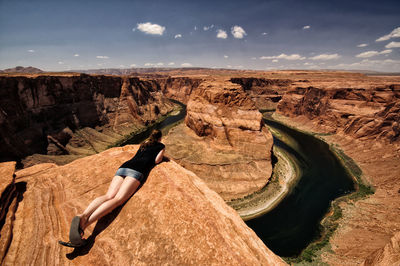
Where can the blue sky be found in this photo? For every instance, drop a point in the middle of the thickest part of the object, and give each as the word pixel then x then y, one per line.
pixel 253 34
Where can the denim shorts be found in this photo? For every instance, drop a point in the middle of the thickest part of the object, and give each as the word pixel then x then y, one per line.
pixel 130 172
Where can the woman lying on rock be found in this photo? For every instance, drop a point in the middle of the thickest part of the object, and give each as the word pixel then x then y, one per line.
pixel 127 179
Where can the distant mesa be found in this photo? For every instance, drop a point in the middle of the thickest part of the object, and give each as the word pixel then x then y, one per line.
pixel 21 69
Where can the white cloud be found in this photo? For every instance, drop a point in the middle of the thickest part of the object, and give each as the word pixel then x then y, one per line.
pixel 284 56
pixel 362 45
pixel 60 62
pixel 171 63
pixel 388 51
pixel 195 27
pixel 264 33
pixel 160 64
pixel 148 64
pixel 206 28
pixel 308 64
pixel 393 45
pixel 133 65
pixel 275 61
pixel 31 51
pixel 149 28
pixel 76 55
pixel 394 34
pixel 222 34
pixel 225 56
pixel 373 53
pixel 122 66
pixel 102 57
pixel 368 54
pixel 254 58
pixel 306 27
pixel 371 63
pixel 134 29
pixel 178 36
pixel 238 32
pixel 325 57
pixel 186 65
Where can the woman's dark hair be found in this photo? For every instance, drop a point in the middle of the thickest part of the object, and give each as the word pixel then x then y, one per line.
pixel 153 139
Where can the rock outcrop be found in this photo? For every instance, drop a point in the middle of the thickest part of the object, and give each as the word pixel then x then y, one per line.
pixel 73 114
pixel 225 142
pixel 174 219
pixel 361 115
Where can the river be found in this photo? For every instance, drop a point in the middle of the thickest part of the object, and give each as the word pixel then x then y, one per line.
pixel 295 222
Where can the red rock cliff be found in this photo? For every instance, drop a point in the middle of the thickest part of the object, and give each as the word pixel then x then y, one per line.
pixel 225 142
pixel 174 219
pixel 362 114
pixel 45 114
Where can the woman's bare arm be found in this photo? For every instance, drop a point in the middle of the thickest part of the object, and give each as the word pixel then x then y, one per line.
pixel 160 156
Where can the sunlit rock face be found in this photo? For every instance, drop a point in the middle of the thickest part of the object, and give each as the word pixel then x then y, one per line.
pixel 361 116
pixel 361 113
pixel 173 219
pixel 224 140
pixel 73 114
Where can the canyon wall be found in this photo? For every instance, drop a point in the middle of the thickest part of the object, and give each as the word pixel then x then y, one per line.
pixel 359 116
pixel 73 114
pixel 224 140
pixel 360 113
pixel 174 218
pixel 266 93
pixel 179 88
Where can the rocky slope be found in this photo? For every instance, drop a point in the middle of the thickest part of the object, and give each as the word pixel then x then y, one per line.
pixel 362 116
pixel 389 255
pixel 224 141
pixel 174 219
pixel 73 114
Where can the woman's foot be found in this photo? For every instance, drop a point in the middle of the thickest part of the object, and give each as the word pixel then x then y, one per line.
pixel 82 224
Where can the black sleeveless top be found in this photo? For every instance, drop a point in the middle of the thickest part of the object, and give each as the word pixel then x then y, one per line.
pixel 144 160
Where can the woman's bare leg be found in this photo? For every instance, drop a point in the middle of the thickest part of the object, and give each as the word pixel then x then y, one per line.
pixel 127 188
pixel 112 191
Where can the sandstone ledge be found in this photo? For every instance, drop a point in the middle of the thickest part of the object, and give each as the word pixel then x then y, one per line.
pixel 174 219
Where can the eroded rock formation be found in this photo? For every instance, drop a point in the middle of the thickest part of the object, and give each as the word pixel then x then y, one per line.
pixel 73 114
pixel 361 113
pixel 225 142
pixel 179 88
pixel 174 219
pixel 389 255
pixel 362 116
pixel 266 93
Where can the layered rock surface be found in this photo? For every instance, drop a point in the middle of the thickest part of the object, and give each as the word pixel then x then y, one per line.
pixel 174 219
pixel 266 93
pixel 362 116
pixel 224 141
pixel 73 114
